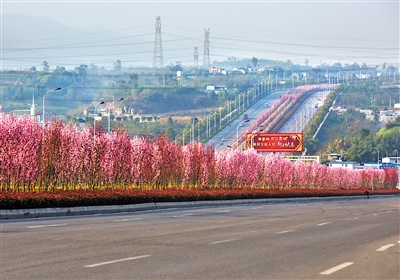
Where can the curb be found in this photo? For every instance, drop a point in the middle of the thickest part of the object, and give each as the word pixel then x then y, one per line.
pixel 114 209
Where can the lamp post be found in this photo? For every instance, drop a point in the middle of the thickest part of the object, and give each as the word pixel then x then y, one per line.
pixel 56 89
pixel 109 112
pixel 237 135
pixel 237 131
pixel 220 118
pixel 192 130
pixel 94 118
pixel 198 133
pixel 176 137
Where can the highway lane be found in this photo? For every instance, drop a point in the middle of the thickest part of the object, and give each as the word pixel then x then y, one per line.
pixel 337 239
pixel 305 113
pixel 227 137
pixel 230 132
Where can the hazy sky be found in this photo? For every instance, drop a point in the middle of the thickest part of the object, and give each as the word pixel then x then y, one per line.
pixel 320 31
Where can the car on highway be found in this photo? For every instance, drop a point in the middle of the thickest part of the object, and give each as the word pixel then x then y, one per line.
pixel 223 139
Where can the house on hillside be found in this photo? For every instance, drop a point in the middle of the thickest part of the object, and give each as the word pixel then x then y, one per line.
pixel 216 88
pixel 345 164
pixel 336 161
pixel 215 71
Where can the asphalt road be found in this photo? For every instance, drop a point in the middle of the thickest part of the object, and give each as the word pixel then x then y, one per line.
pixel 298 122
pixel 227 137
pixel 230 132
pixel 328 239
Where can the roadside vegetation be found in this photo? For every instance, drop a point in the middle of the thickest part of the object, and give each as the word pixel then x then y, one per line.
pixel 63 158
pixel 143 159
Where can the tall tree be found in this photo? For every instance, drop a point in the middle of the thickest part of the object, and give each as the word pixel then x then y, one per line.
pixel 118 65
pixel 254 61
pixel 46 66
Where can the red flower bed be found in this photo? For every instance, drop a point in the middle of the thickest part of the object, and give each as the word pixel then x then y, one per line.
pixel 49 199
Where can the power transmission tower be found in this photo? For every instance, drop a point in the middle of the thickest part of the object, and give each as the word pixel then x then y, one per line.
pixel 196 58
pixel 158 61
pixel 206 61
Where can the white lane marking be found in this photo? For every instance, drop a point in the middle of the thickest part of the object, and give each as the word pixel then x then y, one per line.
pixel 42 226
pixel 180 216
pixel 352 219
pixel 285 231
pixel 115 261
pixel 254 208
pixel 223 241
pixel 383 248
pixel 336 268
pixel 223 211
pixel 322 224
pixel 126 220
pixel 398 242
pixel 390 211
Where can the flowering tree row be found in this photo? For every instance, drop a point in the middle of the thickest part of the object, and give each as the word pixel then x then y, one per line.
pixel 64 157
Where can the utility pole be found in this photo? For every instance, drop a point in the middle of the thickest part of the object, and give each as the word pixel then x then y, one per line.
pixel 158 60
pixel 206 59
pixel 196 58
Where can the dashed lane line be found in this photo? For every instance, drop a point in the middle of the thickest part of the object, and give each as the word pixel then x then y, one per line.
pixel 322 224
pixel 127 220
pixel 336 268
pixel 224 241
pixel 42 226
pixel 383 248
pixel 285 231
pixel 116 261
pixel 180 216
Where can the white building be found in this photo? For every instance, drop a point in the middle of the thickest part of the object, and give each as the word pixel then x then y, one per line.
pixel 345 164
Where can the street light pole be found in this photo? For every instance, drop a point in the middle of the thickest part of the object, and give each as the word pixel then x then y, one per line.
pixel 94 118
pixel 176 137
pixel 192 129
pixel 109 111
pixel 56 89
pixel 220 118
pixel 237 135
pixel 237 131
